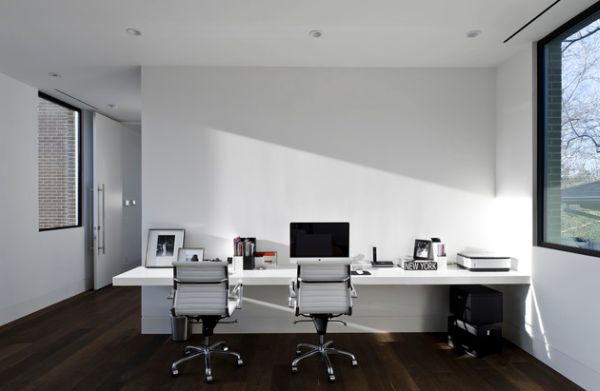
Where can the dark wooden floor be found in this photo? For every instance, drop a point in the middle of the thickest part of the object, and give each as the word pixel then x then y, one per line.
pixel 93 342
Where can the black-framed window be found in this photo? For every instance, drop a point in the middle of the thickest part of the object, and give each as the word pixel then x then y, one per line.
pixel 59 164
pixel 568 156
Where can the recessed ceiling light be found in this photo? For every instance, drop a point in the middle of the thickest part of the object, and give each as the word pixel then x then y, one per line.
pixel 54 74
pixel 112 106
pixel 473 33
pixel 134 32
pixel 315 33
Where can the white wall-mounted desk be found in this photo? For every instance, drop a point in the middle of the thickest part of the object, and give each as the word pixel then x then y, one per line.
pixel 142 276
pixel 391 299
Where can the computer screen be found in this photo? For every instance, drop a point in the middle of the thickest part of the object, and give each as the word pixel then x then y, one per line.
pixel 319 240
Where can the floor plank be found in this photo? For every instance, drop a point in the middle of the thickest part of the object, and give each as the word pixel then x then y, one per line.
pixel 93 342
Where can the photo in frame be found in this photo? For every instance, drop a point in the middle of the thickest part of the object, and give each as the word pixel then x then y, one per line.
pixel 423 250
pixel 163 246
pixel 190 254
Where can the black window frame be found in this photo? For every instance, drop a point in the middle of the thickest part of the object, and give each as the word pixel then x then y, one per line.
pixel 79 162
pixel 541 133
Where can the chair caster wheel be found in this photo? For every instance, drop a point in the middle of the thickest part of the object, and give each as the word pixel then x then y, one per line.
pixel 240 362
pixel 354 363
pixel 331 378
pixel 450 343
pixel 174 372
pixel 294 369
pixel 209 379
pixel 298 352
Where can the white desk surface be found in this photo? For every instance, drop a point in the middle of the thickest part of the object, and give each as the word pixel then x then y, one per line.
pixel 142 276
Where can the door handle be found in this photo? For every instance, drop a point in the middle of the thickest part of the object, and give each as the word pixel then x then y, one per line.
pixel 102 212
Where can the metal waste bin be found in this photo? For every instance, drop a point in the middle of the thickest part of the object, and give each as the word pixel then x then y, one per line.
pixel 181 329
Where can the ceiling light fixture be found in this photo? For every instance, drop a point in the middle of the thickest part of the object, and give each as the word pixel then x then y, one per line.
pixel 134 32
pixel 315 33
pixel 473 33
pixel 54 74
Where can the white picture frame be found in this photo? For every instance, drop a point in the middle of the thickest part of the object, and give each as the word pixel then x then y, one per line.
pixel 163 246
pixel 187 254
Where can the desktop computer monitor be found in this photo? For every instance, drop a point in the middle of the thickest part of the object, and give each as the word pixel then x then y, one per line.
pixel 319 241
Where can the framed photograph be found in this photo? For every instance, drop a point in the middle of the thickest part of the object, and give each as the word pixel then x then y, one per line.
pixel 163 246
pixel 190 255
pixel 423 250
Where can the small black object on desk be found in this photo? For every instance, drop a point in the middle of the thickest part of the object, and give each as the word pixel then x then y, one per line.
pixel 376 263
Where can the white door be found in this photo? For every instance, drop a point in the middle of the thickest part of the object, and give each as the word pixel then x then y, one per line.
pixel 108 200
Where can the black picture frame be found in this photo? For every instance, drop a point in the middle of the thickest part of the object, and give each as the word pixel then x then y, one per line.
pixel 175 239
pixel 423 250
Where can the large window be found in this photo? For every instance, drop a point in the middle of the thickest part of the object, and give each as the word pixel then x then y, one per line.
pixel 59 175
pixel 569 136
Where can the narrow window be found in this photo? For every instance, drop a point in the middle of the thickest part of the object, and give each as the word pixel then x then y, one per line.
pixel 59 178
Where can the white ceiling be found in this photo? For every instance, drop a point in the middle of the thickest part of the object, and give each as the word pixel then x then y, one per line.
pixel 85 41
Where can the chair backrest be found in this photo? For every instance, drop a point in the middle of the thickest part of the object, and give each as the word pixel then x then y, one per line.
pixel 201 288
pixel 324 287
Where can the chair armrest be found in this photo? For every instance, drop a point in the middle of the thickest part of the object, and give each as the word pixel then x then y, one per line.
pixel 293 295
pixel 353 292
pixel 237 293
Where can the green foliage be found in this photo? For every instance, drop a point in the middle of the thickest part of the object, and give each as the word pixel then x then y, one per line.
pixel 574 224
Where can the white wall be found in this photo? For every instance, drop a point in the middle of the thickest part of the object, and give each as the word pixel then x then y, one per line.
pixel 399 153
pixel 557 319
pixel 131 161
pixel 514 158
pixel 36 268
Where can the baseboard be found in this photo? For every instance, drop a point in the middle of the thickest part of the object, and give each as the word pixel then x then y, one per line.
pixel 574 370
pixel 18 310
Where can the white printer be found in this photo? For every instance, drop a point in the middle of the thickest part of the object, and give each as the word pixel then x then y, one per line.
pixel 483 261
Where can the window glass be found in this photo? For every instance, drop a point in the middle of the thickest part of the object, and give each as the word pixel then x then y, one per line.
pixel 58 164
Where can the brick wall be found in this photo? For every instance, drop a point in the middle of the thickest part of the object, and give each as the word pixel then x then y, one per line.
pixel 553 141
pixel 58 145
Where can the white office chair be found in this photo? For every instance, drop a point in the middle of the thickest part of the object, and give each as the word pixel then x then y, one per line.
pixel 322 291
pixel 202 294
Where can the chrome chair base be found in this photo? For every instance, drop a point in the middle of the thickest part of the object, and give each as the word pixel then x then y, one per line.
pixel 323 349
pixel 192 352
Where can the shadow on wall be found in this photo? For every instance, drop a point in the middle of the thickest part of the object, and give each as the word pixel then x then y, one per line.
pixel 400 154
pixel 432 125
pixel 229 185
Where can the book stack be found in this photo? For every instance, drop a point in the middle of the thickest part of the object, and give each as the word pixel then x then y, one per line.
pixel 408 263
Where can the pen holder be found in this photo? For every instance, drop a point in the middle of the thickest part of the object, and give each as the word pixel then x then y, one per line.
pixel 248 262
